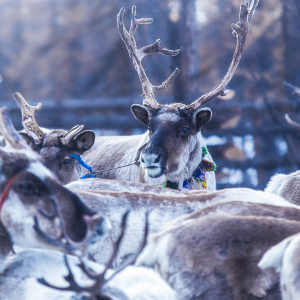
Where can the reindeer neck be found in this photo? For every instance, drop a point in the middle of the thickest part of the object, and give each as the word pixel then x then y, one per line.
pixel 5 246
pixel 193 176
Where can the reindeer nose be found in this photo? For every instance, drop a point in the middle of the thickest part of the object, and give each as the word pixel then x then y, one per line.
pixel 157 159
pixel 152 159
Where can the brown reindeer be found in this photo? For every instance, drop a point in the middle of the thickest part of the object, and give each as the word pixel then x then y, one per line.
pixel 58 148
pixel 174 152
pixel 215 258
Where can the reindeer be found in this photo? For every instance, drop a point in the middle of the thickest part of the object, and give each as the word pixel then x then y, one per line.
pixel 174 153
pixel 284 257
pixel 29 189
pixel 59 149
pixel 286 186
pixel 86 279
pixel 204 257
pixel 166 208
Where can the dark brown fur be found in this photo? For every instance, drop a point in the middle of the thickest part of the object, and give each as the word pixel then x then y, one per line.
pixel 216 257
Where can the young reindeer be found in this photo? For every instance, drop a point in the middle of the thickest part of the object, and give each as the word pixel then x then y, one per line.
pixel 59 149
pixel 174 152
pixel 286 186
pixel 28 190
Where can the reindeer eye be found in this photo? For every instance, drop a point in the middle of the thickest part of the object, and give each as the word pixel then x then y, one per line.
pixel 67 161
pixel 25 187
pixel 185 129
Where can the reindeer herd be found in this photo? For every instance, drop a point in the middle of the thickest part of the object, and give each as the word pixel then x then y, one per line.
pixel 139 217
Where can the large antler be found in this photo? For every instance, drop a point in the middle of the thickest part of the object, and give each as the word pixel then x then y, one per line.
pixel 138 54
pixel 240 31
pixel 28 119
pixel 100 281
pixel 9 132
pixel 292 123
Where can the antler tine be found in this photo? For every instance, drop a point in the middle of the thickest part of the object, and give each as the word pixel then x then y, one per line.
pixel 117 243
pixel 291 122
pixel 295 89
pixel 9 132
pixel 28 120
pixel 132 260
pixel 73 286
pixel 99 278
pixel 138 54
pixel 95 289
pixel 253 4
pixel 240 31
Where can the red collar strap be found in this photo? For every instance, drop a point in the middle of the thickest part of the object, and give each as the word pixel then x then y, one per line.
pixel 6 191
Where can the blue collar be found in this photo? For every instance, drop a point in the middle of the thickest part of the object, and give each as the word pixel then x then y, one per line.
pixel 85 165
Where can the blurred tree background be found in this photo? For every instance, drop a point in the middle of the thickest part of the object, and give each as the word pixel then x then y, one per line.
pixel 68 54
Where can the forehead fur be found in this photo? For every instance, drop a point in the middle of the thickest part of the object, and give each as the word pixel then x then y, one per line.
pixel 13 161
pixel 171 113
pixel 51 138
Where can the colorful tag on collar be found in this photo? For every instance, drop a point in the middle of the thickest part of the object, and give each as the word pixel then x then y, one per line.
pixel 199 175
pixel 170 185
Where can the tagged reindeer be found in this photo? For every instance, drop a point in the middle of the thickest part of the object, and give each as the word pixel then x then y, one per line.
pixel 59 149
pixel 174 153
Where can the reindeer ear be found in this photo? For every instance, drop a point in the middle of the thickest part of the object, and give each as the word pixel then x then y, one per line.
pixel 84 141
pixel 28 139
pixel 141 113
pixel 201 117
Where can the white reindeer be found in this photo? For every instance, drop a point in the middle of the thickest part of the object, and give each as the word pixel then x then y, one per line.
pixel 284 258
pixel 174 153
pixel 44 274
pixel 286 185
pixel 163 209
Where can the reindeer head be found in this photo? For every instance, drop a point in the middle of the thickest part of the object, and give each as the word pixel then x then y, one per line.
pixel 174 128
pixel 30 191
pixel 55 146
